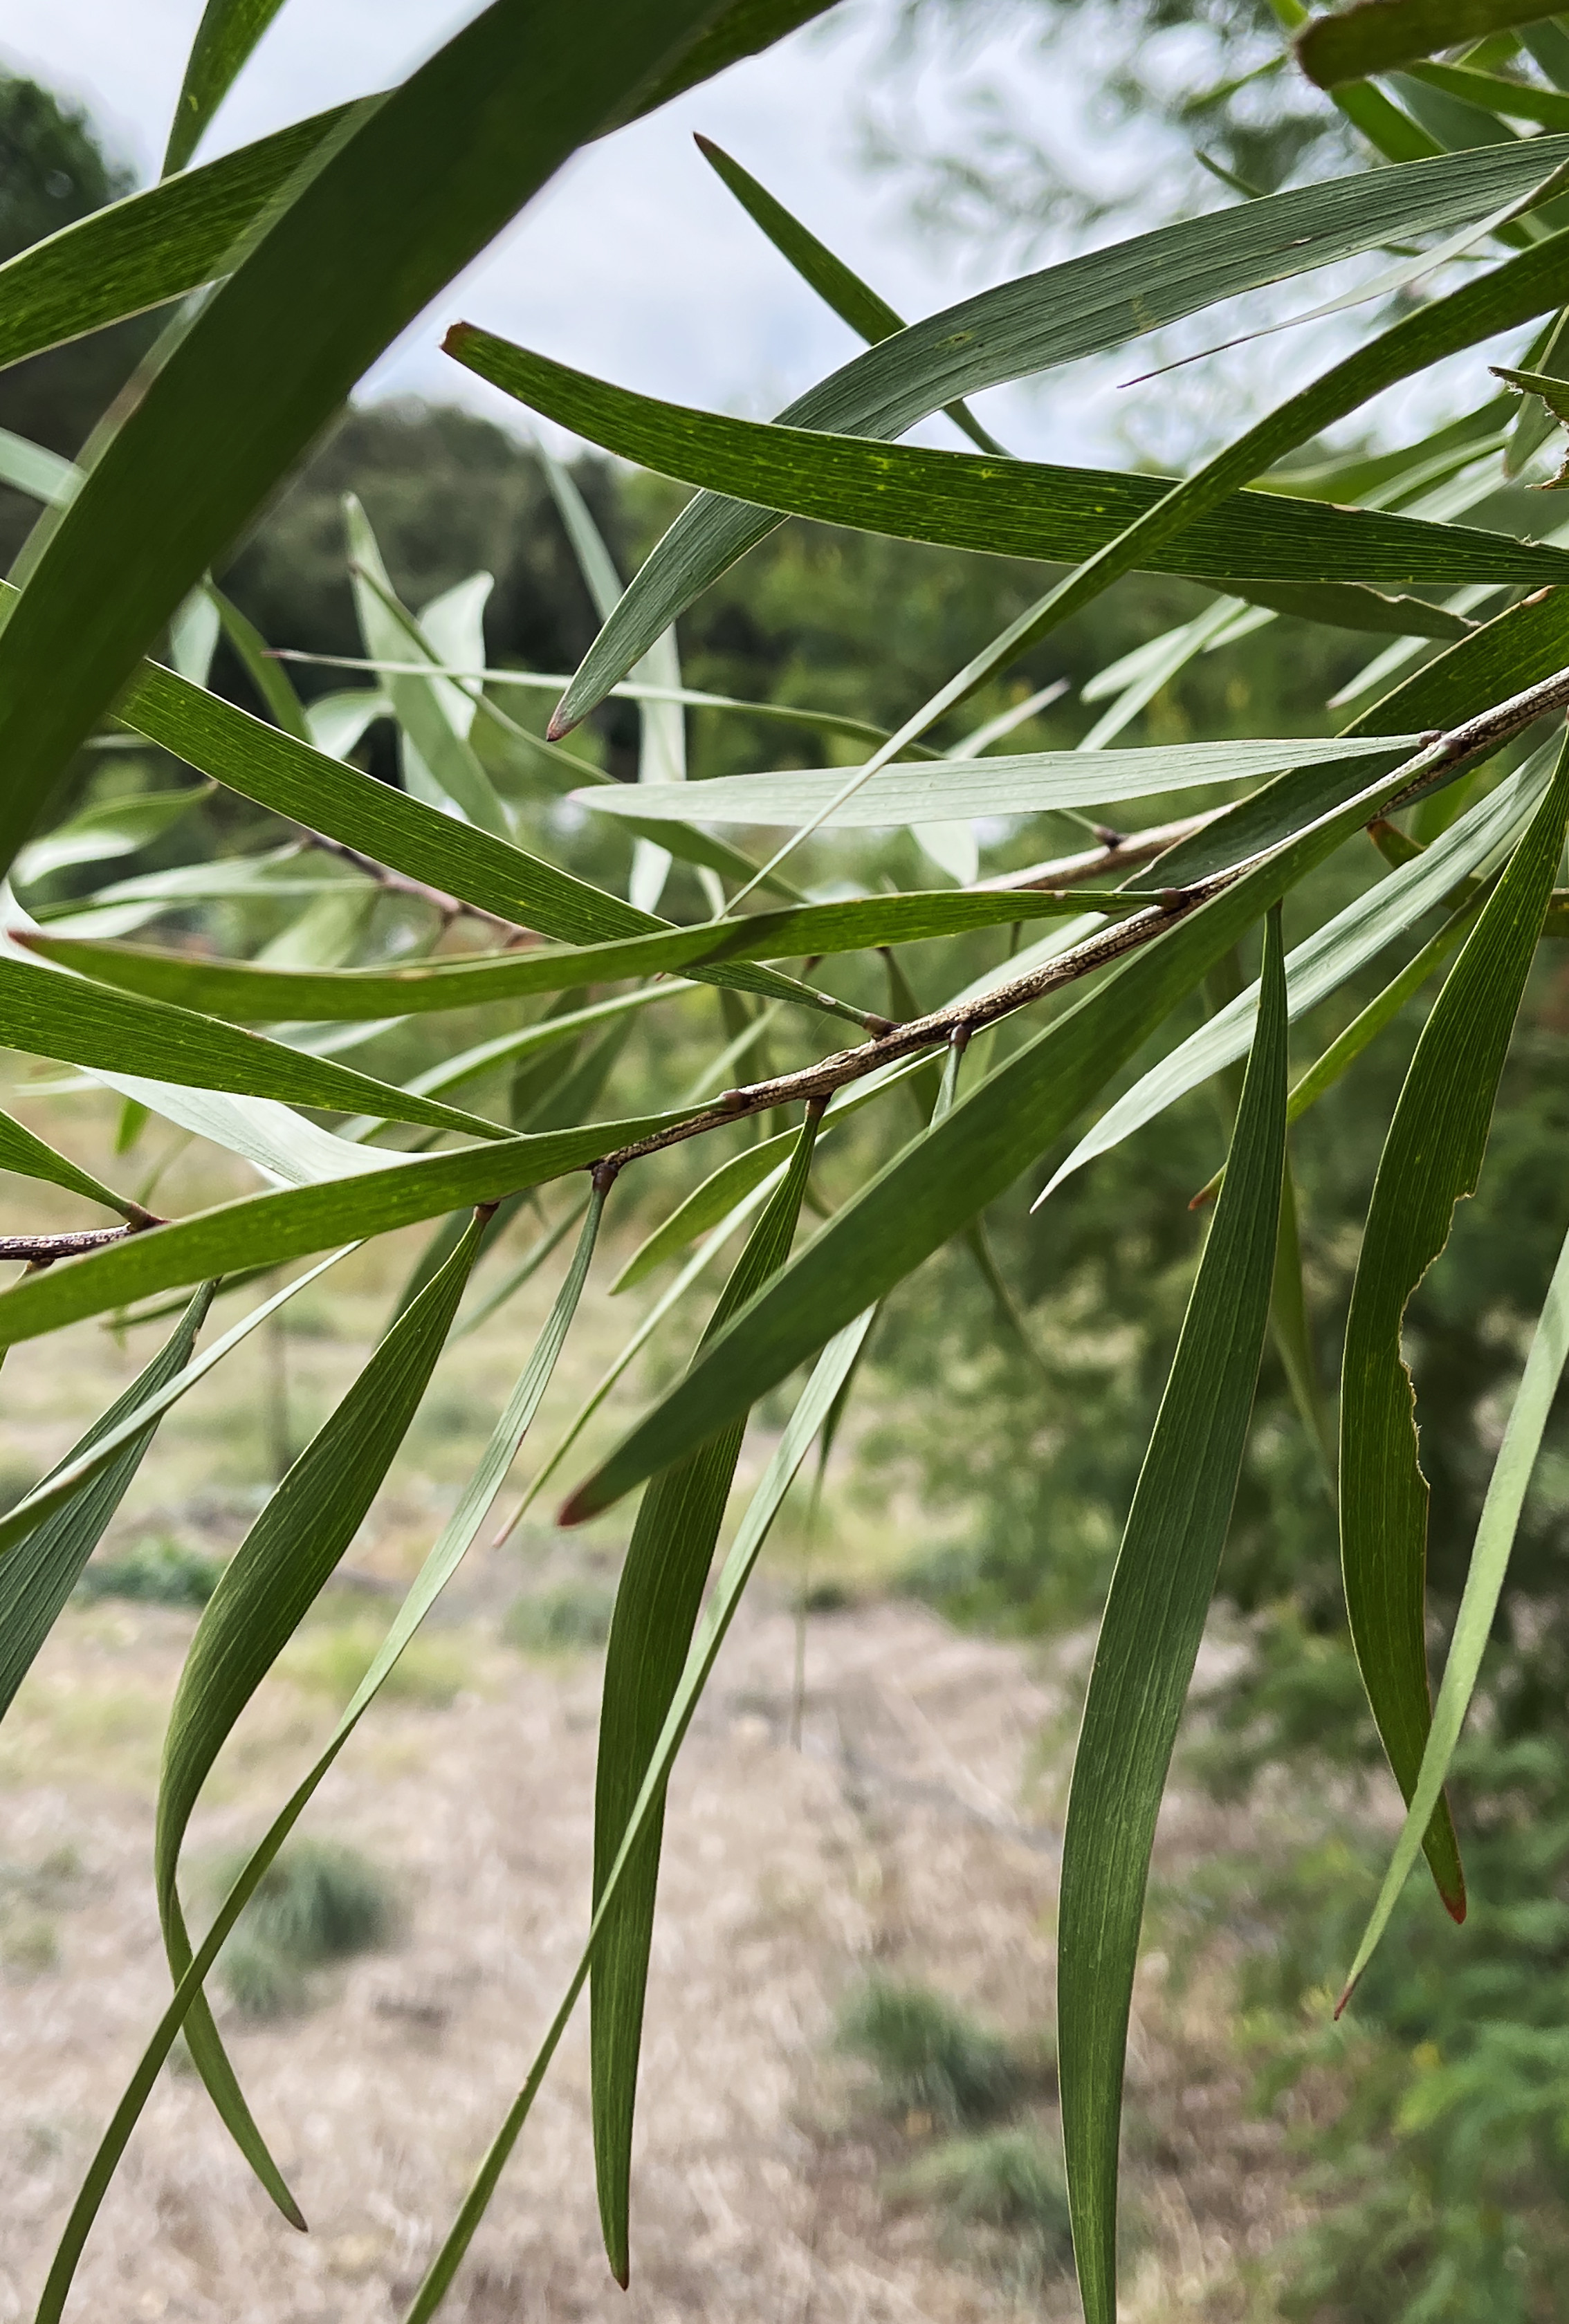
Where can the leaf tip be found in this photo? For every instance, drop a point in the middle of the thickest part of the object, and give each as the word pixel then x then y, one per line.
pixel 577 1509
pixel 560 722
pixel 457 337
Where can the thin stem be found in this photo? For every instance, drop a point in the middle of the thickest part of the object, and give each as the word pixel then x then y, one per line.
pixel 1439 756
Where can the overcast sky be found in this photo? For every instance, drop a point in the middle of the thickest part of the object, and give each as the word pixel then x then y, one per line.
pixel 635 264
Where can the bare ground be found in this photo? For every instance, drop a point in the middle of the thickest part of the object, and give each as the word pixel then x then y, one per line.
pixel 903 1832
pixel 915 1829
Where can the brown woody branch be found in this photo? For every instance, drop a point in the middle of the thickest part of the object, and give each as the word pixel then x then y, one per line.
pixel 1440 757
pixel 42 1250
pixel 399 883
pixel 1120 850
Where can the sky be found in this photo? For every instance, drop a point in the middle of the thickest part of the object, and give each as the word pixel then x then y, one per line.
pixel 635 264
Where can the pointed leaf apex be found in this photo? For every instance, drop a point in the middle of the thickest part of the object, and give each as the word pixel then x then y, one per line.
pixel 575 1510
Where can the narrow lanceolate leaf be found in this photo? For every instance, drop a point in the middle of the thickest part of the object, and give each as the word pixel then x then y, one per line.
pixel 242 989
pixel 1323 961
pixel 943 1178
pixel 89 1024
pixel 1484 1582
pixel 149 248
pixel 39 1575
pixel 394 201
pixel 1037 782
pixel 261 763
pixel 1015 508
pixel 705 1207
pixel 1432 1158
pixel 1377 36
pixel 837 285
pixel 105 1441
pixel 813 1413
pixel 656 1611
pixel 227 33
pixel 744 28
pixel 437 741
pixel 1150 1638
pixel 30 1158
pixel 1058 316
pixel 266 1589
pixel 454 1539
pixel 265 1230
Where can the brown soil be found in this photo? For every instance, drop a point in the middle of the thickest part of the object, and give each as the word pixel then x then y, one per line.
pixel 915 1829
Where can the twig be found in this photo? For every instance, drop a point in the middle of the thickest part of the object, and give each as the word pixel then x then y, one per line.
pixel 399 883
pixel 1439 757
pixel 1118 851
pixel 42 1251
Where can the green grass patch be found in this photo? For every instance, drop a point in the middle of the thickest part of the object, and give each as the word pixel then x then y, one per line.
pixel 931 2063
pixel 318 1903
pixel 572 1618
pixel 155 1570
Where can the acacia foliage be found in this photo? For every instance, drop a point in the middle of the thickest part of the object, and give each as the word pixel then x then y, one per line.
pixel 448 891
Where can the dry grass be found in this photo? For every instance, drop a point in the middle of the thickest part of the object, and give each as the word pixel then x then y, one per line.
pixel 914 1835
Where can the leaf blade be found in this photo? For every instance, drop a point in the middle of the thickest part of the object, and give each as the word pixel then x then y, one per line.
pixel 1432 1157
pixel 1149 1642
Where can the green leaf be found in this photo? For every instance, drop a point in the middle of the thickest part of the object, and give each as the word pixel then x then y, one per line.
pixel 42 1570
pixel 812 1413
pixel 1323 963
pixel 1150 1638
pixel 1554 394
pixel 154 246
pixel 943 1178
pixel 1013 507
pixel 393 202
pixel 1346 1047
pixel 1347 605
pixel 743 29
pixel 265 672
pixel 1065 312
pixel 442 752
pixel 1432 1157
pixel 104 1442
pixel 261 763
pixel 837 285
pixel 1039 782
pixel 89 1024
pixel 454 1539
pixel 228 30
pixel 1374 36
pixel 1381 1011
pixel 662 722
pixel 30 1158
pixel 1517 100
pixel 650 1635
pixel 266 1589
pixel 239 989
pixel 704 1208
pixel 1485 1580
pixel 150 248
pixel 695 1267
pixel 265 1230
pixel 41 475
pixel 1291 1329
pixel 99 834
